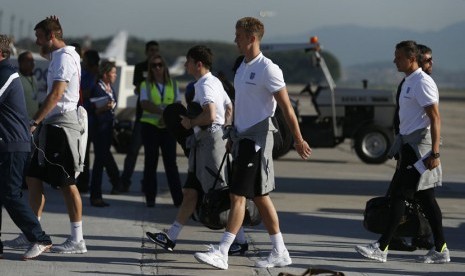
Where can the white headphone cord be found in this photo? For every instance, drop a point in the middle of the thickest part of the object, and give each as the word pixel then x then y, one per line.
pixel 45 157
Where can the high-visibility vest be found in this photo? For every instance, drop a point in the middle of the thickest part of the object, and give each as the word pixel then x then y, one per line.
pixel 155 97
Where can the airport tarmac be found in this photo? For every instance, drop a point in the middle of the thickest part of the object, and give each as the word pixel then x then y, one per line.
pixel 320 204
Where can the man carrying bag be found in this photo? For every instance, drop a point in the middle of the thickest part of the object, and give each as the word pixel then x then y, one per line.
pixel 207 146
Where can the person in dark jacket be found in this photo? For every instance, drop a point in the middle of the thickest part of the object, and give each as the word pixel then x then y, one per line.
pixel 15 145
pixel 103 116
pixel 89 78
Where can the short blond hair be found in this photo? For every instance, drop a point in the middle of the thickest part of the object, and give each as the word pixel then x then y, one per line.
pixel 251 26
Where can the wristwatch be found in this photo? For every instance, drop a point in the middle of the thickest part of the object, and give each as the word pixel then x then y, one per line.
pixel 435 155
pixel 33 123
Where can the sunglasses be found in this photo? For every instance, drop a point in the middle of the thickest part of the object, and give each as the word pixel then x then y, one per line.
pixel 156 65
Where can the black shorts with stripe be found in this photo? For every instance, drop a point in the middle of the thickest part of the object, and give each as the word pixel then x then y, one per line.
pixel 246 179
pixel 58 169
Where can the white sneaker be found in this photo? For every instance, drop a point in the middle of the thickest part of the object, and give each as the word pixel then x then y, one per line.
pixel 213 257
pixel 19 242
pixel 35 250
pixel 372 251
pixel 435 257
pixel 275 259
pixel 70 247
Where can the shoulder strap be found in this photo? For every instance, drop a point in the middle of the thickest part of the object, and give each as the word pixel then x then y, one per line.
pixel 175 85
pixel 226 154
pixel 237 63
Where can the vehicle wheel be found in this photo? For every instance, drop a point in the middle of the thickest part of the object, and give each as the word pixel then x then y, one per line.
pixel 372 144
pixel 280 149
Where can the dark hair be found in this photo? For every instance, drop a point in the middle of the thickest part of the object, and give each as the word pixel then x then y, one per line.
pixel 105 67
pixel 5 45
pixel 201 53
pixel 77 47
pixel 150 44
pixel 22 57
pixel 409 47
pixel 49 26
pixel 92 57
pixel 422 51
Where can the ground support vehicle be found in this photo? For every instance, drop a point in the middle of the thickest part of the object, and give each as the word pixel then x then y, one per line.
pixel 363 115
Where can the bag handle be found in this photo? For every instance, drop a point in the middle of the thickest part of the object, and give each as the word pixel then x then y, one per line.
pixel 226 154
pixel 315 271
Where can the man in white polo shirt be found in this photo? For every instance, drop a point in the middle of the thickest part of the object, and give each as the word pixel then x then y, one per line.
pixel 59 134
pixel 208 149
pixel 419 138
pixel 259 86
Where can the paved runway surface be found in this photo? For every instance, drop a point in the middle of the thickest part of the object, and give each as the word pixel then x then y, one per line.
pixel 320 204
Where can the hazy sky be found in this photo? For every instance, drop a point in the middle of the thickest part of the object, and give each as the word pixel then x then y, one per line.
pixel 215 19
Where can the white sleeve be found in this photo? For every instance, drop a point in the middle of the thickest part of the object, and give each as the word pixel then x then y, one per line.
pixel 428 93
pixel 66 68
pixel 274 79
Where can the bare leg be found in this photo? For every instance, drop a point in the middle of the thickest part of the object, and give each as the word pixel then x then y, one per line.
pixel 236 215
pixel 36 195
pixel 73 202
pixel 268 213
pixel 188 205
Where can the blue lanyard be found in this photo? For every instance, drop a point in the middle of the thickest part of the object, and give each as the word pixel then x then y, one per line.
pixel 161 89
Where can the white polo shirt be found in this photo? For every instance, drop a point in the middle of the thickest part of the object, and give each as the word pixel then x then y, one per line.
pixel 65 66
pixel 209 89
pixel 418 91
pixel 255 82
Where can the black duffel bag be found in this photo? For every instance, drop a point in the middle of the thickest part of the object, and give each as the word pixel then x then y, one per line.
pixel 213 208
pixel 413 222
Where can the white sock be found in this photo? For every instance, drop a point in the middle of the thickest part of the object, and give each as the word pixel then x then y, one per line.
pixel 76 231
pixel 38 218
pixel 240 236
pixel 278 242
pixel 226 241
pixel 174 230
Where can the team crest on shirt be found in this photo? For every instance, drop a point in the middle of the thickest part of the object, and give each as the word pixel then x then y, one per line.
pixel 252 75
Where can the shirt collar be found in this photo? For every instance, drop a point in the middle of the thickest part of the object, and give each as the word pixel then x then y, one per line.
pixel 205 76
pixel 415 73
pixel 254 60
